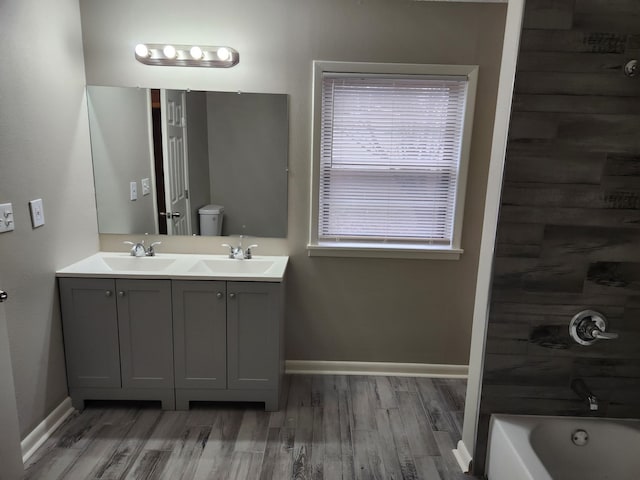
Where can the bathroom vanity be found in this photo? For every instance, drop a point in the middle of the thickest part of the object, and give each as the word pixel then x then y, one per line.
pixel 174 328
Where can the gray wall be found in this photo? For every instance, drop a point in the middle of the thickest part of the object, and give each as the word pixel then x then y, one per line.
pixel 568 232
pixel 10 454
pixel 198 148
pixel 44 153
pixel 248 143
pixel 120 130
pixel 337 309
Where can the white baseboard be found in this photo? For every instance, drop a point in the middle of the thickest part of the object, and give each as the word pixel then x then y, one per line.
pixel 42 432
pixel 320 367
pixel 463 457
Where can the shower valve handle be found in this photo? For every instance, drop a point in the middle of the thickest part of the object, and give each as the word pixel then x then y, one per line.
pixel 601 335
pixel 588 326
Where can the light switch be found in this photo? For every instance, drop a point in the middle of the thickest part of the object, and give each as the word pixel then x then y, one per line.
pixel 37 212
pixel 6 218
pixel 133 189
pixel 146 186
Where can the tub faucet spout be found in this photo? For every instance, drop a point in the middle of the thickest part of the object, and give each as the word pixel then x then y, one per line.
pixel 581 389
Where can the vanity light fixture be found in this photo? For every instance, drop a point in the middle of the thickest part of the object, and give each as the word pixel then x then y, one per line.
pixel 142 50
pixel 223 54
pixel 186 55
pixel 169 52
pixel 196 53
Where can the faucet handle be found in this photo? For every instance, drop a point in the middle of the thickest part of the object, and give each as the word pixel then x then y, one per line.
pixel 602 335
pixel 231 249
pixel 151 252
pixel 247 252
pixel 589 326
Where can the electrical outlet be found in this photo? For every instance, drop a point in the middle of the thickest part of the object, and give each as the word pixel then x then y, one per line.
pixel 6 218
pixel 133 191
pixel 146 186
pixel 37 212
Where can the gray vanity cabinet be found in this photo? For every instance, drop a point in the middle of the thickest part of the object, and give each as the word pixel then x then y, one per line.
pixel 200 334
pixel 253 313
pixel 146 331
pixel 173 340
pixel 118 339
pixel 228 341
pixel 90 332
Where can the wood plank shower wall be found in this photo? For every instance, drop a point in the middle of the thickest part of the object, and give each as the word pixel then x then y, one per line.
pixel 569 228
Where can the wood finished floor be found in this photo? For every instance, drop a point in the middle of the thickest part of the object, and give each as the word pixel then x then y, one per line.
pixel 330 427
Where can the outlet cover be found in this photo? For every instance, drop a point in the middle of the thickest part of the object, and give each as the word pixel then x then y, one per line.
pixel 37 212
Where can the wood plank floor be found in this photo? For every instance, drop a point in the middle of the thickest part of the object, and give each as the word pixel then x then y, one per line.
pixel 330 427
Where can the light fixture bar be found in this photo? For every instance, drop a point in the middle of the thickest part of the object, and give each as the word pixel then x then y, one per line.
pixel 186 55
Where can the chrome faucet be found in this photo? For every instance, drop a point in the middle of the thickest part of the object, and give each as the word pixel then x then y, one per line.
pixel 138 249
pixel 581 389
pixel 238 252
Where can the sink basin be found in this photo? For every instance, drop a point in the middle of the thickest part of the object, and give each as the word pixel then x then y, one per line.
pixel 178 266
pixel 138 264
pixel 229 266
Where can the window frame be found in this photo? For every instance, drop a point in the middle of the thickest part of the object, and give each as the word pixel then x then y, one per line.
pixel 388 249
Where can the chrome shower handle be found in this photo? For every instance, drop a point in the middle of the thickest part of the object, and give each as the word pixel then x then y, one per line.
pixel 589 326
pixel 602 335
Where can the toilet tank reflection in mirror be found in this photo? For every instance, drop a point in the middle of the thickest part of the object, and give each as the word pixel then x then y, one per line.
pixel 161 155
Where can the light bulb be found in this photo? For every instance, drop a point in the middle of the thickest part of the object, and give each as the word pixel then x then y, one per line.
pixel 169 51
pixel 196 53
pixel 223 53
pixel 142 50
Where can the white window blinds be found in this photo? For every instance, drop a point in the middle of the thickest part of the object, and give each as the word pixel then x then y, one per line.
pixel 389 156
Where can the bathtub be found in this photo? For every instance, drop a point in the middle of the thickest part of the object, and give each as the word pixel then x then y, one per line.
pixel 562 448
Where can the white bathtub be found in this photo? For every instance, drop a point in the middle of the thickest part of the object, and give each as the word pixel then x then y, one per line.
pixel 542 448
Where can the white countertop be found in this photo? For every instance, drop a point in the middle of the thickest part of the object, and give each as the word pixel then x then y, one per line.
pixel 260 268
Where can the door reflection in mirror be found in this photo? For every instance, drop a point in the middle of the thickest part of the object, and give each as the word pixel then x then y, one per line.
pixel 197 148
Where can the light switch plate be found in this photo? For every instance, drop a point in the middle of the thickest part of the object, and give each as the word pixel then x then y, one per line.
pixel 146 186
pixel 6 218
pixel 37 212
pixel 133 190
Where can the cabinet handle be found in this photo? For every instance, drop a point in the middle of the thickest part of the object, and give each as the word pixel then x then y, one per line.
pixel 108 293
pixel 121 293
pixel 219 294
pixel 232 295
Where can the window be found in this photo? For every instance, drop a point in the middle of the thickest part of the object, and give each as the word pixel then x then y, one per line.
pixel 390 154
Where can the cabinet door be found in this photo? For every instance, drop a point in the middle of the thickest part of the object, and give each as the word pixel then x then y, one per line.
pixel 90 324
pixel 200 334
pixel 144 319
pixel 253 314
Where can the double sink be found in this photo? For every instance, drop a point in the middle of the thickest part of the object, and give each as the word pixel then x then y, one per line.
pixel 186 266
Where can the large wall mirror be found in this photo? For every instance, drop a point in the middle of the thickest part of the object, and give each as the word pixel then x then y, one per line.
pixel 166 160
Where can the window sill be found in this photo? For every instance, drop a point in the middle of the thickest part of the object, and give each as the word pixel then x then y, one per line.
pixel 362 251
